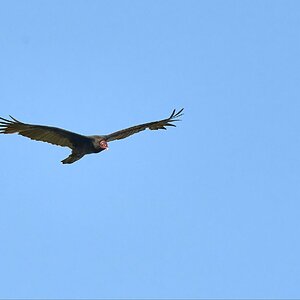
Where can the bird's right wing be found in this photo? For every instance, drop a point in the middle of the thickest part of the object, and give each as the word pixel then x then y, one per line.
pixel 162 124
pixel 49 134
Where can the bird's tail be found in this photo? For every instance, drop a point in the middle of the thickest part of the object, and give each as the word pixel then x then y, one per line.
pixel 72 158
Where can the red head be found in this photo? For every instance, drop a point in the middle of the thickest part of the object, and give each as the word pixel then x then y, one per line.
pixel 103 145
pixel 99 143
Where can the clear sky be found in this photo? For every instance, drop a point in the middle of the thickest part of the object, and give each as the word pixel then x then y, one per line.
pixel 209 209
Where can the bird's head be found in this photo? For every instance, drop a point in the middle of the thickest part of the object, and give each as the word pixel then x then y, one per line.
pixel 100 143
pixel 103 145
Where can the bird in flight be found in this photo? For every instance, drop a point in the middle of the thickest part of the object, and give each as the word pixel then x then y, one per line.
pixel 80 144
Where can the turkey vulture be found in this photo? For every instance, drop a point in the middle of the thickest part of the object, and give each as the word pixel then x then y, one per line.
pixel 80 144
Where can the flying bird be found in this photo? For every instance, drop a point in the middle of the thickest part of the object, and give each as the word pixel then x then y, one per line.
pixel 80 144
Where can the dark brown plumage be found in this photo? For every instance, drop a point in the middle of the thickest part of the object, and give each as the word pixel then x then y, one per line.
pixel 80 144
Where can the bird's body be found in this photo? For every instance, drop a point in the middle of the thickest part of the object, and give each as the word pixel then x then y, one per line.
pixel 80 144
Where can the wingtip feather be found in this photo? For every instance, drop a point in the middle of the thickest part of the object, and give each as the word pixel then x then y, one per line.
pixel 14 119
pixel 9 121
pixel 176 114
pixel 172 114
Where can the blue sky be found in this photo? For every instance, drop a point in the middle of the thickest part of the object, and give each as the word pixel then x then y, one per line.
pixel 209 209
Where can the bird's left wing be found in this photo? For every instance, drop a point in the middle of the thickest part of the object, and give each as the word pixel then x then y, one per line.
pixel 49 134
pixel 122 134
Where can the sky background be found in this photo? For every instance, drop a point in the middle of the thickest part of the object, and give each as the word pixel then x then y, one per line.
pixel 209 209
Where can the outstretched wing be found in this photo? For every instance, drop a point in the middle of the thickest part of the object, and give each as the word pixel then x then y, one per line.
pixel 122 134
pixel 53 135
